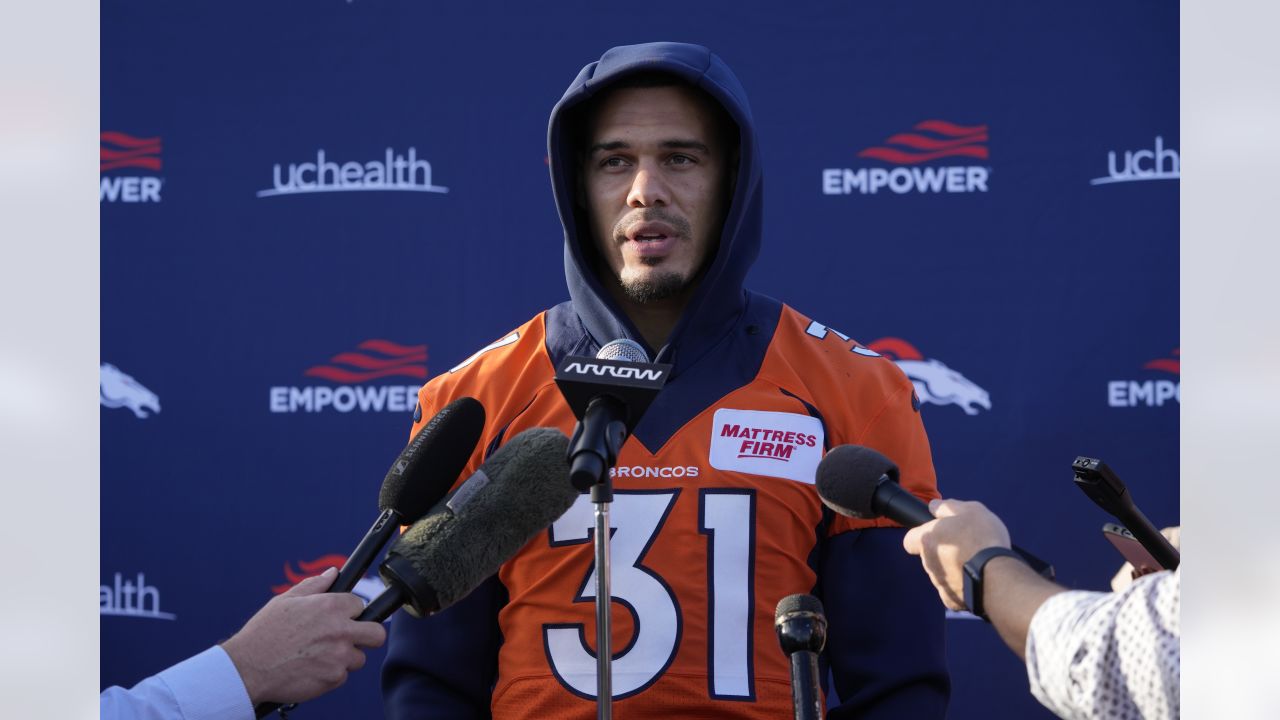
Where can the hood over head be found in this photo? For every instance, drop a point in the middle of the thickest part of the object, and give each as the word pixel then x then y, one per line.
pixel 720 297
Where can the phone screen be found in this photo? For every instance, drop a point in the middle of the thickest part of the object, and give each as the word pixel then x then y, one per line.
pixel 1130 548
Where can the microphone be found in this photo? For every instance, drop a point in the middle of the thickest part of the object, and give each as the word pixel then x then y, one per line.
pixel 519 491
pixel 608 394
pixel 802 632
pixel 1096 479
pixel 859 482
pixel 422 475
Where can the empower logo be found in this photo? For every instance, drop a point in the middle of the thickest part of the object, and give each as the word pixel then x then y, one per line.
pixel 116 389
pixel 1151 391
pixel 371 360
pixel 394 172
pixel 1159 163
pixel 934 382
pixel 777 444
pixel 121 151
pixel 928 141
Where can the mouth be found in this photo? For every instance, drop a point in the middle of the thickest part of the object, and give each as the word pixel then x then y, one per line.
pixel 650 239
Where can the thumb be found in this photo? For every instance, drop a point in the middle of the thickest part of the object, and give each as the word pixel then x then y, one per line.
pixel 313 585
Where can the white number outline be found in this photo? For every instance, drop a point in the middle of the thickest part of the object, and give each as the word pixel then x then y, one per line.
pixel 750 571
pixel 588 585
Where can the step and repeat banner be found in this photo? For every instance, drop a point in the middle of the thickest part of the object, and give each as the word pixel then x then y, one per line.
pixel 310 208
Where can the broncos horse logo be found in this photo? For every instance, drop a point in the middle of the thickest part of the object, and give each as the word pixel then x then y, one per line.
pixel 117 389
pixel 935 383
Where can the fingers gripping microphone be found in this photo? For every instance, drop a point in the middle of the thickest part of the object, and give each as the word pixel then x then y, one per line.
pixel 1096 479
pixel 861 483
pixel 424 472
pixel 520 490
pixel 802 632
pixel 422 475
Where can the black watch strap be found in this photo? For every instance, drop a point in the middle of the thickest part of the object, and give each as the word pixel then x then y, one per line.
pixel 973 577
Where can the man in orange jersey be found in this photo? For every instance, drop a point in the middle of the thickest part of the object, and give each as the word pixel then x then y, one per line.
pixel 655 169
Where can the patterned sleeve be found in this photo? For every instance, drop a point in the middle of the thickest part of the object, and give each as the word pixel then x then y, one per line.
pixel 1114 655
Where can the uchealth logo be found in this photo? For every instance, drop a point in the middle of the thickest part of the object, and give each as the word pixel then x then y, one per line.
pixel 116 390
pixel 934 382
pixel 131 597
pixel 367 588
pixel 922 160
pixel 777 444
pixel 123 156
pixel 1157 163
pixel 393 172
pixel 1161 386
pixel 353 372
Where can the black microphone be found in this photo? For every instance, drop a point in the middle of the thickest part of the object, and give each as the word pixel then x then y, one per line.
pixel 609 394
pixel 519 491
pixel 1096 479
pixel 802 632
pixel 424 472
pixel 859 482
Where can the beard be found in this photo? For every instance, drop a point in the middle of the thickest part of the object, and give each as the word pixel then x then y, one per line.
pixel 658 285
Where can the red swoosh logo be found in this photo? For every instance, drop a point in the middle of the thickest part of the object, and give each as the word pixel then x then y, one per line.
pixel 896 349
pixel 336 374
pixel 899 157
pixel 117 149
pixel 307 569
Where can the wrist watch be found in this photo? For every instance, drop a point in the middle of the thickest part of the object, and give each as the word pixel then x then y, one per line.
pixel 973 577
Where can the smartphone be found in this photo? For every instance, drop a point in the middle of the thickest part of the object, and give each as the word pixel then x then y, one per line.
pixel 1131 549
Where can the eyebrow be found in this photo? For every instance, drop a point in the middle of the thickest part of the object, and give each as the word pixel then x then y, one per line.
pixel 665 144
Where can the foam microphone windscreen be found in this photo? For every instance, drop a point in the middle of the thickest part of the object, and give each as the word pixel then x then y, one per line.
pixel 432 460
pixel 848 476
pixel 793 604
pixel 518 492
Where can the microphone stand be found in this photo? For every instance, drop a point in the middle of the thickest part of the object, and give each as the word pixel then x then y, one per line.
pixel 614 435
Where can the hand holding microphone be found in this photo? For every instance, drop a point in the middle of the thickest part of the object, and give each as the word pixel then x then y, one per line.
pixel 518 492
pixel 961 529
pixel 860 482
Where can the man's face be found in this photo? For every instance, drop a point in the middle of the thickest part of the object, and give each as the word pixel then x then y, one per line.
pixel 654 183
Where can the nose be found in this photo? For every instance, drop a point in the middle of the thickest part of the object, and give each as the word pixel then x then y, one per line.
pixel 648 188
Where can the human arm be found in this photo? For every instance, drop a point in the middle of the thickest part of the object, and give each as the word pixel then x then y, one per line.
pixel 445 665
pixel 1114 654
pixel 299 645
pixel 203 687
pixel 1012 591
pixel 1087 654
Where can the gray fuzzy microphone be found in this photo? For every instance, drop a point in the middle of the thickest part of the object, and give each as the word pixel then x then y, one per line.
pixel 518 492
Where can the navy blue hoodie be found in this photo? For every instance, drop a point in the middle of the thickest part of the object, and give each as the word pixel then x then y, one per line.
pixel 885 646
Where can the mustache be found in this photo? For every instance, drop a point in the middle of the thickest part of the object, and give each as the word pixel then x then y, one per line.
pixel 643 215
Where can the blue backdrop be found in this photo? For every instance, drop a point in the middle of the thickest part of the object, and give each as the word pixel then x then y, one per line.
pixel 308 208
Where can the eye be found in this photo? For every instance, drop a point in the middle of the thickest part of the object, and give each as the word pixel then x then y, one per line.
pixel 614 161
pixel 681 159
